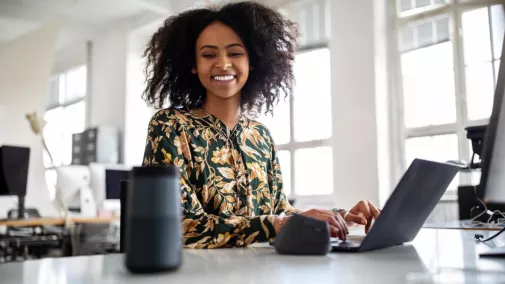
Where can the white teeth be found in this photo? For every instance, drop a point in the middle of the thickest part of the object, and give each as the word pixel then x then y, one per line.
pixel 224 78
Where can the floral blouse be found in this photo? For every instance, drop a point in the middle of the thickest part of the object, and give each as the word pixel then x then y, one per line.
pixel 231 179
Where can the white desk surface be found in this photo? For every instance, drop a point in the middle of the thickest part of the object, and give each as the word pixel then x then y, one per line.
pixel 435 256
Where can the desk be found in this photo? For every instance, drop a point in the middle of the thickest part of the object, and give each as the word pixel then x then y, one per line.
pixel 459 225
pixel 434 256
pixel 56 221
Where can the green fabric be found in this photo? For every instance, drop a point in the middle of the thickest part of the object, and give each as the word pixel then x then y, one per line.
pixel 231 179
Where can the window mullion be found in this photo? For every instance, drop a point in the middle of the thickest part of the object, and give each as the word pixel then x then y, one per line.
pixel 460 87
pixel 490 19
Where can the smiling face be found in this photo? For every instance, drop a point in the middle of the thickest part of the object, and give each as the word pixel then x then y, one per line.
pixel 222 63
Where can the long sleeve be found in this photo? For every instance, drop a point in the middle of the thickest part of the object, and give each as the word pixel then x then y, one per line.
pixel 168 143
pixel 275 179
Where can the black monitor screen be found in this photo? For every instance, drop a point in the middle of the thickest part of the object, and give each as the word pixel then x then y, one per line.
pixel 112 183
pixel 14 165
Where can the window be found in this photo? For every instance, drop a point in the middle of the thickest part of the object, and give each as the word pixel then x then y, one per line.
pixel 448 58
pixel 65 115
pixel 301 123
pixel 305 150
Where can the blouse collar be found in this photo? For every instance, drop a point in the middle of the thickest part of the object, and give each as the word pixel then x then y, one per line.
pixel 211 120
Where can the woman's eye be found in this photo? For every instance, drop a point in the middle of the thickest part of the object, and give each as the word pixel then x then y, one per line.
pixel 209 55
pixel 235 54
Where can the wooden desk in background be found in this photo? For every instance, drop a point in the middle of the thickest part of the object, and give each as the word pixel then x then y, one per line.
pixel 57 221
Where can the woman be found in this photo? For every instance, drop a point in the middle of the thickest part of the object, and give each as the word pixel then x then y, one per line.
pixel 215 67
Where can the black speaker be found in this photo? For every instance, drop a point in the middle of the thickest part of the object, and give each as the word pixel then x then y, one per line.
pixel 14 164
pixel 122 223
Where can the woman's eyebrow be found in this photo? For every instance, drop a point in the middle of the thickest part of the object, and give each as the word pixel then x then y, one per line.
pixel 227 46
pixel 234 44
pixel 208 46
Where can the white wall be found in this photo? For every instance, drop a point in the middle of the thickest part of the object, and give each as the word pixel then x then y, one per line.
pixel 137 113
pixel 25 67
pixel 354 98
pixel 106 97
pixel 116 85
pixel 71 55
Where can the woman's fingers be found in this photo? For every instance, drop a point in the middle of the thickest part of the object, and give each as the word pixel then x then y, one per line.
pixel 342 222
pixel 375 211
pixel 341 229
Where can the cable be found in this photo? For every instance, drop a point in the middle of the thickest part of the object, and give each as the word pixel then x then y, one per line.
pixel 473 223
pixel 478 237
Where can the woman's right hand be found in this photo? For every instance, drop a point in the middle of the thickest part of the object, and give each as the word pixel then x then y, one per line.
pixel 338 227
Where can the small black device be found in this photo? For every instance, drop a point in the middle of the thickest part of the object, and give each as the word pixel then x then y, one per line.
pixel 408 207
pixel 153 240
pixel 14 164
pixel 303 235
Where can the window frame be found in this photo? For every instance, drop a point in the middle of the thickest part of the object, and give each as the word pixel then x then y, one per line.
pixel 292 146
pixel 64 105
pixel 454 10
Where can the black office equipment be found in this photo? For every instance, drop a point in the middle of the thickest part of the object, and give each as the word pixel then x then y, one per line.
pixel 476 135
pixel 14 164
pixel 493 252
pixel 113 180
pixel 408 207
pixel 96 145
pixel 303 235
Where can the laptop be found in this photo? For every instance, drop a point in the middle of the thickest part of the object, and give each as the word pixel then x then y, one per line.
pixel 408 207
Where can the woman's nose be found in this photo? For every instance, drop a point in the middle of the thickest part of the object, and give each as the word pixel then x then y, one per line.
pixel 223 63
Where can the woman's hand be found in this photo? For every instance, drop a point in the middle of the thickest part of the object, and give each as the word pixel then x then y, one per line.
pixel 338 228
pixel 363 213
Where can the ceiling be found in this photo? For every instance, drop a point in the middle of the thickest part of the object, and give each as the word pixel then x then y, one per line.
pixel 83 19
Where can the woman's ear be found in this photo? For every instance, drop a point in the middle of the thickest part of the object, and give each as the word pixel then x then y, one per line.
pixel 194 71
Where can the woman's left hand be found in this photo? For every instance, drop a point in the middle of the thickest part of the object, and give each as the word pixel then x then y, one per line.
pixel 363 213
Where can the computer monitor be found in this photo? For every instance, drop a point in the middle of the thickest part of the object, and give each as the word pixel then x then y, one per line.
pixel 113 178
pixel 113 183
pixel 14 164
pixel 492 182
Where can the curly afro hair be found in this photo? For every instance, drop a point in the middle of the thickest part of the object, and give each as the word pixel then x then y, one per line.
pixel 269 38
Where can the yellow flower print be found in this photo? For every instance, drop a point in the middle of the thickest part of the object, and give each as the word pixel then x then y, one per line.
pixel 167 157
pixel 221 156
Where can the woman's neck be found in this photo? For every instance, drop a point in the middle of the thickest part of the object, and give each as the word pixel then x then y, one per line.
pixel 227 110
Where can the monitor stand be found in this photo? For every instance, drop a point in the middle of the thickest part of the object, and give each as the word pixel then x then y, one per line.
pixel 20 212
pixel 21 207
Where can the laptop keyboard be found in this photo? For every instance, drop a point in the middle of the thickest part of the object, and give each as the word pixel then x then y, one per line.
pixel 353 240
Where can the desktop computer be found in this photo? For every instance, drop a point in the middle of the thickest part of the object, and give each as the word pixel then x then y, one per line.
pixel 492 183
pixel 113 178
pixel 14 164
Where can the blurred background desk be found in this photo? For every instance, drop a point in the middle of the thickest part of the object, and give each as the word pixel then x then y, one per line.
pixel 57 237
pixel 57 221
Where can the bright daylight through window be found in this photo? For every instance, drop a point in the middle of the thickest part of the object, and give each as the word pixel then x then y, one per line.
pixel 65 115
pixel 448 54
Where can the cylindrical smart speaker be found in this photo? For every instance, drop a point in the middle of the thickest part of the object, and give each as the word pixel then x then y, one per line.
pixel 153 220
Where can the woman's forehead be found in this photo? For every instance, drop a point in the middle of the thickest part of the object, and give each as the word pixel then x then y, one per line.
pixel 219 35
